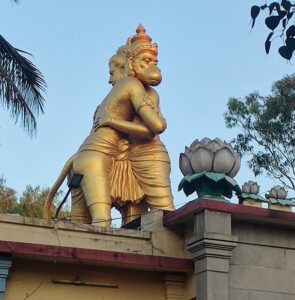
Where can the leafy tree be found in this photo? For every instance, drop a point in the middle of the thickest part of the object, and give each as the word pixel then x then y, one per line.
pixel 30 203
pixel 280 15
pixel 21 85
pixel 8 198
pixel 267 125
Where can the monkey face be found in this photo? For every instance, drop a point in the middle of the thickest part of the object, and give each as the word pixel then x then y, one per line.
pixel 116 73
pixel 145 67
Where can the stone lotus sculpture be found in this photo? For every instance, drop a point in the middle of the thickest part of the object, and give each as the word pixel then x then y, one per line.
pixel 277 198
pixel 250 187
pixel 209 156
pixel 249 196
pixel 208 167
pixel 278 192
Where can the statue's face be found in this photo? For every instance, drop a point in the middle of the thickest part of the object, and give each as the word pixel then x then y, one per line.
pixel 145 67
pixel 116 73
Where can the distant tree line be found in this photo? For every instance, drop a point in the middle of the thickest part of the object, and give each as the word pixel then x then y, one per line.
pixel 29 204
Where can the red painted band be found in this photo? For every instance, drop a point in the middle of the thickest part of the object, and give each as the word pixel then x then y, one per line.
pixel 183 213
pixel 96 256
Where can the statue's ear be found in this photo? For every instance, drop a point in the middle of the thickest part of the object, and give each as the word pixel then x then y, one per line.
pixel 129 68
pixel 130 63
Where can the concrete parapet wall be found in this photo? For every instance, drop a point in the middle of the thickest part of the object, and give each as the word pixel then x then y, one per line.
pixel 151 241
pixel 263 263
pixel 47 232
pixel 61 260
pixel 240 252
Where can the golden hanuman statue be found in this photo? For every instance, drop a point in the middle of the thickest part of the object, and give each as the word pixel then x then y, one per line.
pixel 123 162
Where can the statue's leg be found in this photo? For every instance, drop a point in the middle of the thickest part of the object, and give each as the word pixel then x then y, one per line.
pixel 95 168
pixel 79 210
pixel 134 211
pixel 154 179
pixel 160 202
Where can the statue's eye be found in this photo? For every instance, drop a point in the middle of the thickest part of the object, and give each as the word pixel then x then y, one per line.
pixel 147 60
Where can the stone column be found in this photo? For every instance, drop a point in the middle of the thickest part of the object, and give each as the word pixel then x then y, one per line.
pixel 211 247
pixel 174 286
pixel 5 264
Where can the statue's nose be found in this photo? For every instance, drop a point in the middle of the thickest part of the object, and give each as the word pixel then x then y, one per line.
pixel 156 75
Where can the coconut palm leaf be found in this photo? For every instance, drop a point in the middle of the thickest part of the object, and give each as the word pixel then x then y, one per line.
pixel 21 84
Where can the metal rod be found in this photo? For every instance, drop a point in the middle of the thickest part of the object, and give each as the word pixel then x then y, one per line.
pixel 85 283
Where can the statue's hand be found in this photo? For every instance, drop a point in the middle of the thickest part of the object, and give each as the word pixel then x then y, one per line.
pixel 124 145
pixel 102 122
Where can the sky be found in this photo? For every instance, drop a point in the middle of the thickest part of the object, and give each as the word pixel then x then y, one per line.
pixel 207 54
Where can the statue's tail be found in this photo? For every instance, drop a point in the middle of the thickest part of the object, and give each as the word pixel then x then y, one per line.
pixel 63 174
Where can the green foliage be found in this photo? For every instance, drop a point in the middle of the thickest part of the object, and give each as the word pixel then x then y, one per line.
pixel 8 198
pixel 267 126
pixel 32 201
pixel 278 18
pixel 29 204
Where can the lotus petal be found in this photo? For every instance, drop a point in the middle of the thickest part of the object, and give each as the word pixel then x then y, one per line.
pixel 219 141
pixel 246 188
pixel 185 165
pixel 273 193
pixel 255 188
pixel 224 161
pixel 195 145
pixel 230 147
pixel 282 193
pixel 233 172
pixel 201 160
pixel 205 141
pixel 187 152
pixel 215 145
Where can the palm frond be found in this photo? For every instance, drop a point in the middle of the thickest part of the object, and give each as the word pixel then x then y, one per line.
pixel 21 85
pixel 16 104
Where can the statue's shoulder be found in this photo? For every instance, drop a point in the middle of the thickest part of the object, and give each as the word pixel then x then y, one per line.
pixel 153 95
pixel 151 90
pixel 130 84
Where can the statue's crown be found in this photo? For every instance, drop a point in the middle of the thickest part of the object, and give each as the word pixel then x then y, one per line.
pixel 140 36
pixel 141 42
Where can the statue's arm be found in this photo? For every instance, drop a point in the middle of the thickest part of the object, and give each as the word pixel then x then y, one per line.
pixel 134 129
pixel 131 128
pixel 150 116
